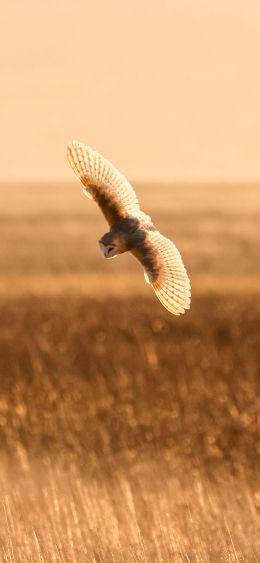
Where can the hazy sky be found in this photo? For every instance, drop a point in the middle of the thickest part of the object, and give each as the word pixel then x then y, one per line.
pixel 166 90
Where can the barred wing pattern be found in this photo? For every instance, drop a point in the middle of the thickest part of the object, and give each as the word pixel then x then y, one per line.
pixel 103 183
pixel 165 272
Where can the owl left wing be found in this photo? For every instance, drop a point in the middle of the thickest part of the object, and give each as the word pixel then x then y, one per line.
pixel 164 271
pixel 103 183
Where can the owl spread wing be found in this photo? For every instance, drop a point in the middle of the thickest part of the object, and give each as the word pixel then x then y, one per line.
pixel 103 183
pixel 161 260
pixel 165 271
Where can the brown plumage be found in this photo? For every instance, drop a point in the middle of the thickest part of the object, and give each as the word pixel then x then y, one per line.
pixel 130 229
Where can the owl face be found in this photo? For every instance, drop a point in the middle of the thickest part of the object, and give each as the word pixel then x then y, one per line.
pixel 109 250
pixel 111 244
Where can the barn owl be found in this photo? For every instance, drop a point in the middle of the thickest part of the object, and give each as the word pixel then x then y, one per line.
pixel 131 230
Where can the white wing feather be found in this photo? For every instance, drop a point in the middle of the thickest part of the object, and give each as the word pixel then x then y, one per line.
pixel 101 178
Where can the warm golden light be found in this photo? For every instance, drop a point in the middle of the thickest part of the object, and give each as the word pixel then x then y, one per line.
pixel 129 431
pixel 165 90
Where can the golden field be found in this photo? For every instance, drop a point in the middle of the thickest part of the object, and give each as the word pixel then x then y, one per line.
pixel 128 434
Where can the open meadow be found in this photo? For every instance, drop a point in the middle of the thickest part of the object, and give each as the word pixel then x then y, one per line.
pixel 128 434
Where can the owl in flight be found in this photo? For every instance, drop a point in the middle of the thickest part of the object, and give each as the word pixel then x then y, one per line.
pixel 131 230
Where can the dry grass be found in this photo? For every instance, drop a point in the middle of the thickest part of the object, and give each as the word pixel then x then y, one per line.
pixel 127 434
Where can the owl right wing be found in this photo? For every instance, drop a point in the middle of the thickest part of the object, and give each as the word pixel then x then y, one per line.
pixel 103 183
pixel 164 271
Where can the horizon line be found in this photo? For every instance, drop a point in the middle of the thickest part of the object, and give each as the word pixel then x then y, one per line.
pixel 140 181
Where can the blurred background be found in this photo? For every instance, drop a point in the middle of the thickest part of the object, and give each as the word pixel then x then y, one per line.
pixel 128 434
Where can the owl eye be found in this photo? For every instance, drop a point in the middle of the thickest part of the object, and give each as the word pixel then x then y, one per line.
pixel 110 248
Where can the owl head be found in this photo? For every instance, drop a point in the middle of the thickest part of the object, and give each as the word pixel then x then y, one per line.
pixel 111 245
